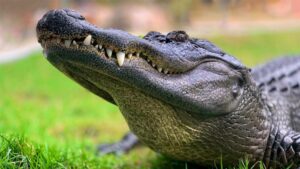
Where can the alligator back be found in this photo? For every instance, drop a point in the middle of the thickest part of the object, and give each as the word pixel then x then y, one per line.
pixel 280 81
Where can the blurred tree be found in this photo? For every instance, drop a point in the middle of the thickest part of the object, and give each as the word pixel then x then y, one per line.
pixel 180 10
pixel 120 19
pixel 17 18
pixel 207 2
pixel 224 5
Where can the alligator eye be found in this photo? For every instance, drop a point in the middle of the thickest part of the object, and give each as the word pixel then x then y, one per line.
pixel 235 92
pixel 178 36
pixel 236 88
pixel 240 82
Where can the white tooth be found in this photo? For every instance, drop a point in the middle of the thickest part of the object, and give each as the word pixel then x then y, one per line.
pixel 88 40
pixel 100 47
pixel 153 65
pixel 109 52
pixel 67 43
pixel 159 69
pixel 120 58
pixel 148 60
pixel 129 55
pixel 137 54
pixel 97 46
pixel 166 71
pixel 75 43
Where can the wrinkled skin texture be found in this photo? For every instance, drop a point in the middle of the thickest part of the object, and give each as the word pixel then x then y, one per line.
pixel 183 97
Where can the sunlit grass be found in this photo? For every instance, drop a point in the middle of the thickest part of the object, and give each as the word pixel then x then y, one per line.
pixel 48 121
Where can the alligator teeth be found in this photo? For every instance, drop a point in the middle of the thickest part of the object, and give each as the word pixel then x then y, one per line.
pixel 129 55
pixel 68 43
pixel 88 40
pixel 120 58
pixel 109 52
pixel 74 42
pixel 120 55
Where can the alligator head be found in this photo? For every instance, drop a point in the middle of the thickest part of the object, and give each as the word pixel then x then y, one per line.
pixel 174 91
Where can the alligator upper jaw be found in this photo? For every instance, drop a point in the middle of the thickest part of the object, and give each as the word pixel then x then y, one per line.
pixel 110 52
pixel 69 28
pixel 69 40
pixel 86 66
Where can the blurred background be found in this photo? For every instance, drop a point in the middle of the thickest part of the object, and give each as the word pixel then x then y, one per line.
pixel 47 120
pixel 198 17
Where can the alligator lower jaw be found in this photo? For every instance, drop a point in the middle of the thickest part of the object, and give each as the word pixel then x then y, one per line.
pixel 91 45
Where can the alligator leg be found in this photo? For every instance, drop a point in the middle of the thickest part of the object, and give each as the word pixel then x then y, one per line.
pixel 285 150
pixel 127 143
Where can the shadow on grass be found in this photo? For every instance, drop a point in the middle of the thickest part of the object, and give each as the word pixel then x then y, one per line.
pixel 166 163
pixel 162 162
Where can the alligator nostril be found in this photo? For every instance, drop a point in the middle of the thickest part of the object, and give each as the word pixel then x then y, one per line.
pixel 181 37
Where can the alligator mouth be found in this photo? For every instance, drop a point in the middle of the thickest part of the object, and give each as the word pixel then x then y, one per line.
pixel 105 51
pixel 164 70
pixel 174 53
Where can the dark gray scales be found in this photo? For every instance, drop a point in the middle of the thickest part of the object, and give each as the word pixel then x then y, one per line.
pixel 181 96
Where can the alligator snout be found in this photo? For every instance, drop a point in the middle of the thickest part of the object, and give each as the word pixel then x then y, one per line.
pixel 171 53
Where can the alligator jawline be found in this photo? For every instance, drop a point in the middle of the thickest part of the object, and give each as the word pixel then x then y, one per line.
pixel 102 51
pixel 82 77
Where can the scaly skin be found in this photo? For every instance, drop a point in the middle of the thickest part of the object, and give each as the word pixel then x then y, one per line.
pixel 181 96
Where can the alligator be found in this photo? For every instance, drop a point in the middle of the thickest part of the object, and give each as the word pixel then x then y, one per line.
pixel 183 97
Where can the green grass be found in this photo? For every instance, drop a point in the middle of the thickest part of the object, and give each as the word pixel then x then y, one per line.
pixel 48 121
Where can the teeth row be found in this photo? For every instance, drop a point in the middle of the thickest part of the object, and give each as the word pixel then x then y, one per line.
pixel 120 58
pixel 88 41
pixel 165 71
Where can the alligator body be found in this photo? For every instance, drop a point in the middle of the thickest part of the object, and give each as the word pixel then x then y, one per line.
pixel 183 97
